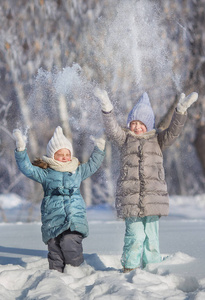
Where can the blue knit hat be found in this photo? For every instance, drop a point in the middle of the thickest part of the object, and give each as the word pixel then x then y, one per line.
pixel 142 111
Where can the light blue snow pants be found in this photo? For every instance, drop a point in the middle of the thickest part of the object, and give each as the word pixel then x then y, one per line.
pixel 141 242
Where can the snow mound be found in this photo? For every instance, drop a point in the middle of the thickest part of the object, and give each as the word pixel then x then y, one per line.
pixel 9 201
pixel 99 277
pixel 192 207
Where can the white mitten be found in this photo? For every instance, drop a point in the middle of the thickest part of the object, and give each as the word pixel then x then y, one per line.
pixel 102 95
pixel 186 102
pixel 100 143
pixel 20 140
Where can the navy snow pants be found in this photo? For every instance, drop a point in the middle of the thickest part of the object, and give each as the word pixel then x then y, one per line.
pixel 65 249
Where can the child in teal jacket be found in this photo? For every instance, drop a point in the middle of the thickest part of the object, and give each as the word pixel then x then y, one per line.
pixel 63 210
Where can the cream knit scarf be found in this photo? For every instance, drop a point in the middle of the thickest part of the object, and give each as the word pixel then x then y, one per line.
pixel 69 166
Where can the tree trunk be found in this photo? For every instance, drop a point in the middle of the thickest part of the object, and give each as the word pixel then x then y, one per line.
pixel 25 115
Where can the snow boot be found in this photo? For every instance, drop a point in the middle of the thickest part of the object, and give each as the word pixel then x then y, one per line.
pixel 127 270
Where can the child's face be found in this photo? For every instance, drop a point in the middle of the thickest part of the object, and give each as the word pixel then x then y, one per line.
pixel 62 155
pixel 138 127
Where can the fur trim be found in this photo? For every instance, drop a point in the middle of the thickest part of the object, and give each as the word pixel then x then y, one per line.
pixel 145 135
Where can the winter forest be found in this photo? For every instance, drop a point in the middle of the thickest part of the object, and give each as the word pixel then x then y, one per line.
pixel 54 53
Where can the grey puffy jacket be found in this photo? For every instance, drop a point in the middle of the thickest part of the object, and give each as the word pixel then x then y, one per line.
pixel 141 186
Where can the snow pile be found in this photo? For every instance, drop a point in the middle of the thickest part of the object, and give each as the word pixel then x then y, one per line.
pixel 24 273
pixel 15 209
pixel 9 201
pixel 98 278
pixel 191 207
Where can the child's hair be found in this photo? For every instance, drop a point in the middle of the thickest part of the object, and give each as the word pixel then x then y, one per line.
pixel 38 162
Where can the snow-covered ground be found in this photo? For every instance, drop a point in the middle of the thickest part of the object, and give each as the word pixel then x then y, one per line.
pixel 24 270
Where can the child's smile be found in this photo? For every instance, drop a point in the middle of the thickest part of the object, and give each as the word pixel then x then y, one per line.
pixel 138 127
pixel 63 155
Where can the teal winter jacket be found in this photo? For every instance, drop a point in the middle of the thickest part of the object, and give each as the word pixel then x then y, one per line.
pixel 63 206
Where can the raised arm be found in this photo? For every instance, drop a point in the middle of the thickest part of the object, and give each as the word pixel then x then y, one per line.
pixel 23 161
pixel 113 130
pixel 95 160
pixel 167 137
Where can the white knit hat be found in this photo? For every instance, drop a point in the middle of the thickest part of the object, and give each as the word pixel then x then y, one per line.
pixel 57 142
pixel 142 111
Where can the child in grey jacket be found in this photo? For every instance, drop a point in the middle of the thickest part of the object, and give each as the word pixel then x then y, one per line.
pixel 141 195
pixel 63 210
